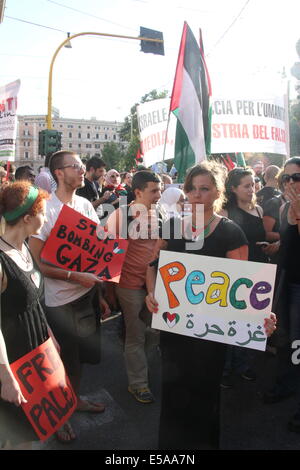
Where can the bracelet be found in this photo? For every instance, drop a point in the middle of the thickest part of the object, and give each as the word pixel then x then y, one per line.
pixel 69 275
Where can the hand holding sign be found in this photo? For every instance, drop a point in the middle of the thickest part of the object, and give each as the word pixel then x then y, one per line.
pixel 151 303
pixel 270 324
pixel 11 392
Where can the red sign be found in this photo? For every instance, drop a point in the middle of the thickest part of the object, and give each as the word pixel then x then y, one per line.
pixel 77 243
pixel 43 381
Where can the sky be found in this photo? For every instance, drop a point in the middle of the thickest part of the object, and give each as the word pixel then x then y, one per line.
pixel 248 44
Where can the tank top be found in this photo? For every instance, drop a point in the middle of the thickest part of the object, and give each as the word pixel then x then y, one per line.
pixel 253 228
pixel 23 321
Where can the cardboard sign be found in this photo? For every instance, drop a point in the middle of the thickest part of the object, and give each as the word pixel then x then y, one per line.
pixel 250 125
pixel 50 398
pixel 218 299
pixel 77 243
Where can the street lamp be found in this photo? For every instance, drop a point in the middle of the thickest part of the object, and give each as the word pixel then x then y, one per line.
pixel 67 43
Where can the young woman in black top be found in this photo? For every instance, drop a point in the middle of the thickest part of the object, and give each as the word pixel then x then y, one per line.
pixel 191 367
pixel 23 325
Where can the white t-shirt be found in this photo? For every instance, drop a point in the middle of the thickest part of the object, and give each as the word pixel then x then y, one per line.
pixel 58 292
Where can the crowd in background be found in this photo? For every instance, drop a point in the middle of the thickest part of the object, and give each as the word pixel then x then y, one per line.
pixel 249 214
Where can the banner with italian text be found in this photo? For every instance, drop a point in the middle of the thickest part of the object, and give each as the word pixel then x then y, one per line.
pixel 216 299
pixel 8 120
pixel 250 125
pixel 157 137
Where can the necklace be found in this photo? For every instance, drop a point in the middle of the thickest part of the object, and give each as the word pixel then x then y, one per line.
pixel 206 228
pixel 26 258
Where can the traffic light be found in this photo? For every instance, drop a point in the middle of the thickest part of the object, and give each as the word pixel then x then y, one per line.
pixel 49 141
pixel 150 46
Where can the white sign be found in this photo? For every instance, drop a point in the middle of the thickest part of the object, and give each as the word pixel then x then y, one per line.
pixel 250 125
pixel 217 299
pixel 154 130
pixel 8 120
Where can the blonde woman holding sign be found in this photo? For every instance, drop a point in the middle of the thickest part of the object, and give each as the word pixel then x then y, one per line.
pixel 192 368
pixel 23 325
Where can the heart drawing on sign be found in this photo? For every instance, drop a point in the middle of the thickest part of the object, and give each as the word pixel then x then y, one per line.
pixel 171 318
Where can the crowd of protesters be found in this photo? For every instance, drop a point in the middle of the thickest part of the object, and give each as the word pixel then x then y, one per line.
pixel 249 214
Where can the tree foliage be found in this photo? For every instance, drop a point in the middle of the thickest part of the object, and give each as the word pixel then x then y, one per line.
pixel 114 156
pixel 130 127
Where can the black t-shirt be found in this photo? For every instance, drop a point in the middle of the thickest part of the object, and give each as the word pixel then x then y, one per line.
pixel 89 191
pixel 272 209
pixel 227 236
pixel 291 253
pixel 265 194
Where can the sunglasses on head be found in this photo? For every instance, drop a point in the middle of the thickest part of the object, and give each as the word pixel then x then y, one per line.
pixel 295 178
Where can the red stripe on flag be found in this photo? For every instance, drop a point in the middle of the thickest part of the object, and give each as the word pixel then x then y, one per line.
pixel 177 87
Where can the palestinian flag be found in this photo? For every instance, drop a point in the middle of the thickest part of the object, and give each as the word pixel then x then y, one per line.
pixel 190 104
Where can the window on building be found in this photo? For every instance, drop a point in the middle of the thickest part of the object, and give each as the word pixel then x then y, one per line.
pixel 97 146
pixel 79 135
pixel 70 135
pixel 105 137
pixel 79 145
pixel 115 137
pixel 88 135
pixel 97 136
pixel 88 146
pixel 26 155
pixel 70 146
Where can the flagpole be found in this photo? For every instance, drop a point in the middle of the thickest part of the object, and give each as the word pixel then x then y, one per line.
pixel 165 144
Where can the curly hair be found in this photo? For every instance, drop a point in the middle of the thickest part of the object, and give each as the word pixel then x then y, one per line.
pixel 14 195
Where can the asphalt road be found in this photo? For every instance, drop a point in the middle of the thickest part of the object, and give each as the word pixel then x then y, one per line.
pixel 246 423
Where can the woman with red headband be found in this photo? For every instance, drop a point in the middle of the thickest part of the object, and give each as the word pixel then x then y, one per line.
pixel 23 325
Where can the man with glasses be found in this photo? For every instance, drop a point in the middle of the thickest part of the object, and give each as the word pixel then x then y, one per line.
pixel 71 298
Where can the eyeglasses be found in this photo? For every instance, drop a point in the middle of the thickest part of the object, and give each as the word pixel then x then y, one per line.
pixel 295 177
pixel 75 166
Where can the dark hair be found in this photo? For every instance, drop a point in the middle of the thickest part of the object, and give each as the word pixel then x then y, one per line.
pixel 142 178
pixel 292 161
pixel 233 179
pixel 22 172
pixel 57 161
pixel 15 194
pixel 95 162
pixel 216 173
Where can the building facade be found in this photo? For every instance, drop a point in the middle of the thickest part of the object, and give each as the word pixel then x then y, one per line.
pixel 85 137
